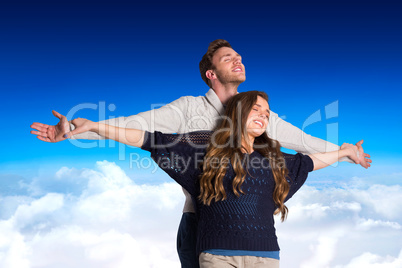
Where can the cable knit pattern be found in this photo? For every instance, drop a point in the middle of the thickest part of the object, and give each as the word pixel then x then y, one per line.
pixel 199 115
pixel 237 223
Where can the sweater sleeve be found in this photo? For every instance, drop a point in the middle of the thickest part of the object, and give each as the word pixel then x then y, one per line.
pixel 169 119
pixel 179 155
pixel 293 138
pixel 299 166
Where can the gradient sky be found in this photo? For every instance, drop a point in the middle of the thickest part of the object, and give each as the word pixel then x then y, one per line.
pixel 58 55
pixel 306 55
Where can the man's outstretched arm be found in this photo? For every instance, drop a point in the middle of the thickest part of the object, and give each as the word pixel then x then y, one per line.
pixel 168 119
pixel 293 138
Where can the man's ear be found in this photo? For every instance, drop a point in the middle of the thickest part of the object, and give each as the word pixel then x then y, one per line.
pixel 210 75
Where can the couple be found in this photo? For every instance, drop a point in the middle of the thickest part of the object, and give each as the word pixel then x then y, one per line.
pixel 222 69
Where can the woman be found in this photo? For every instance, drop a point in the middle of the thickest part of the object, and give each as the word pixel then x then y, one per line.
pixel 237 176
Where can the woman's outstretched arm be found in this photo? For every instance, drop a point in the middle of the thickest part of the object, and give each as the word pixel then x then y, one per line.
pixel 322 160
pixel 133 137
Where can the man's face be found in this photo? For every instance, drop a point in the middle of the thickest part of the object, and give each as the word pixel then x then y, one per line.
pixel 228 66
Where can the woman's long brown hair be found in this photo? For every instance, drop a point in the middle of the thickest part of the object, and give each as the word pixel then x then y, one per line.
pixel 226 146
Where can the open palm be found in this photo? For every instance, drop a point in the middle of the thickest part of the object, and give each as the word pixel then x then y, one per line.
pixel 51 133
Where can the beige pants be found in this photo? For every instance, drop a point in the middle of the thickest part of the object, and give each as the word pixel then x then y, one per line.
pixel 208 260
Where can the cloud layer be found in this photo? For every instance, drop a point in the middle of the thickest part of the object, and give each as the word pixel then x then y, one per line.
pixel 343 227
pixel 102 218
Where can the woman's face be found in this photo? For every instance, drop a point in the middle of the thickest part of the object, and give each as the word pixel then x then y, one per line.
pixel 257 120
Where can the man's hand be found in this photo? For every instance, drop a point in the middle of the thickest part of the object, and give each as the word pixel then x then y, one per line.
pixel 364 159
pixel 50 133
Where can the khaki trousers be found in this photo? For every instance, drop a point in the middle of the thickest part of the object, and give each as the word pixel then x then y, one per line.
pixel 208 260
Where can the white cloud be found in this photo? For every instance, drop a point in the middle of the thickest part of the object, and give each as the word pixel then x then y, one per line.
pixel 369 260
pixel 110 222
pixel 73 246
pixel 37 210
pixel 363 224
pixel 335 227
pixel 13 250
pixel 101 218
pixel 385 200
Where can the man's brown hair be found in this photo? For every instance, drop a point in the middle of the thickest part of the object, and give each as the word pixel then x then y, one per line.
pixel 206 61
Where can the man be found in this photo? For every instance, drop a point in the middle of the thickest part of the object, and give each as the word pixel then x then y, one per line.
pixel 222 70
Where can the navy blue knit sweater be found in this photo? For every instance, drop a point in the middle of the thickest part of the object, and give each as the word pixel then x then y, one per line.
pixel 237 223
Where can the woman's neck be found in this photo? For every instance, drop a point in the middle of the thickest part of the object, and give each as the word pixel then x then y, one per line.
pixel 247 146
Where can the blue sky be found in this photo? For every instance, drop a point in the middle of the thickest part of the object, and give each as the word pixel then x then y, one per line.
pixel 305 55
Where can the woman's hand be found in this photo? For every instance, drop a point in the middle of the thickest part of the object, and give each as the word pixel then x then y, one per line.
pixel 354 152
pixel 81 125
